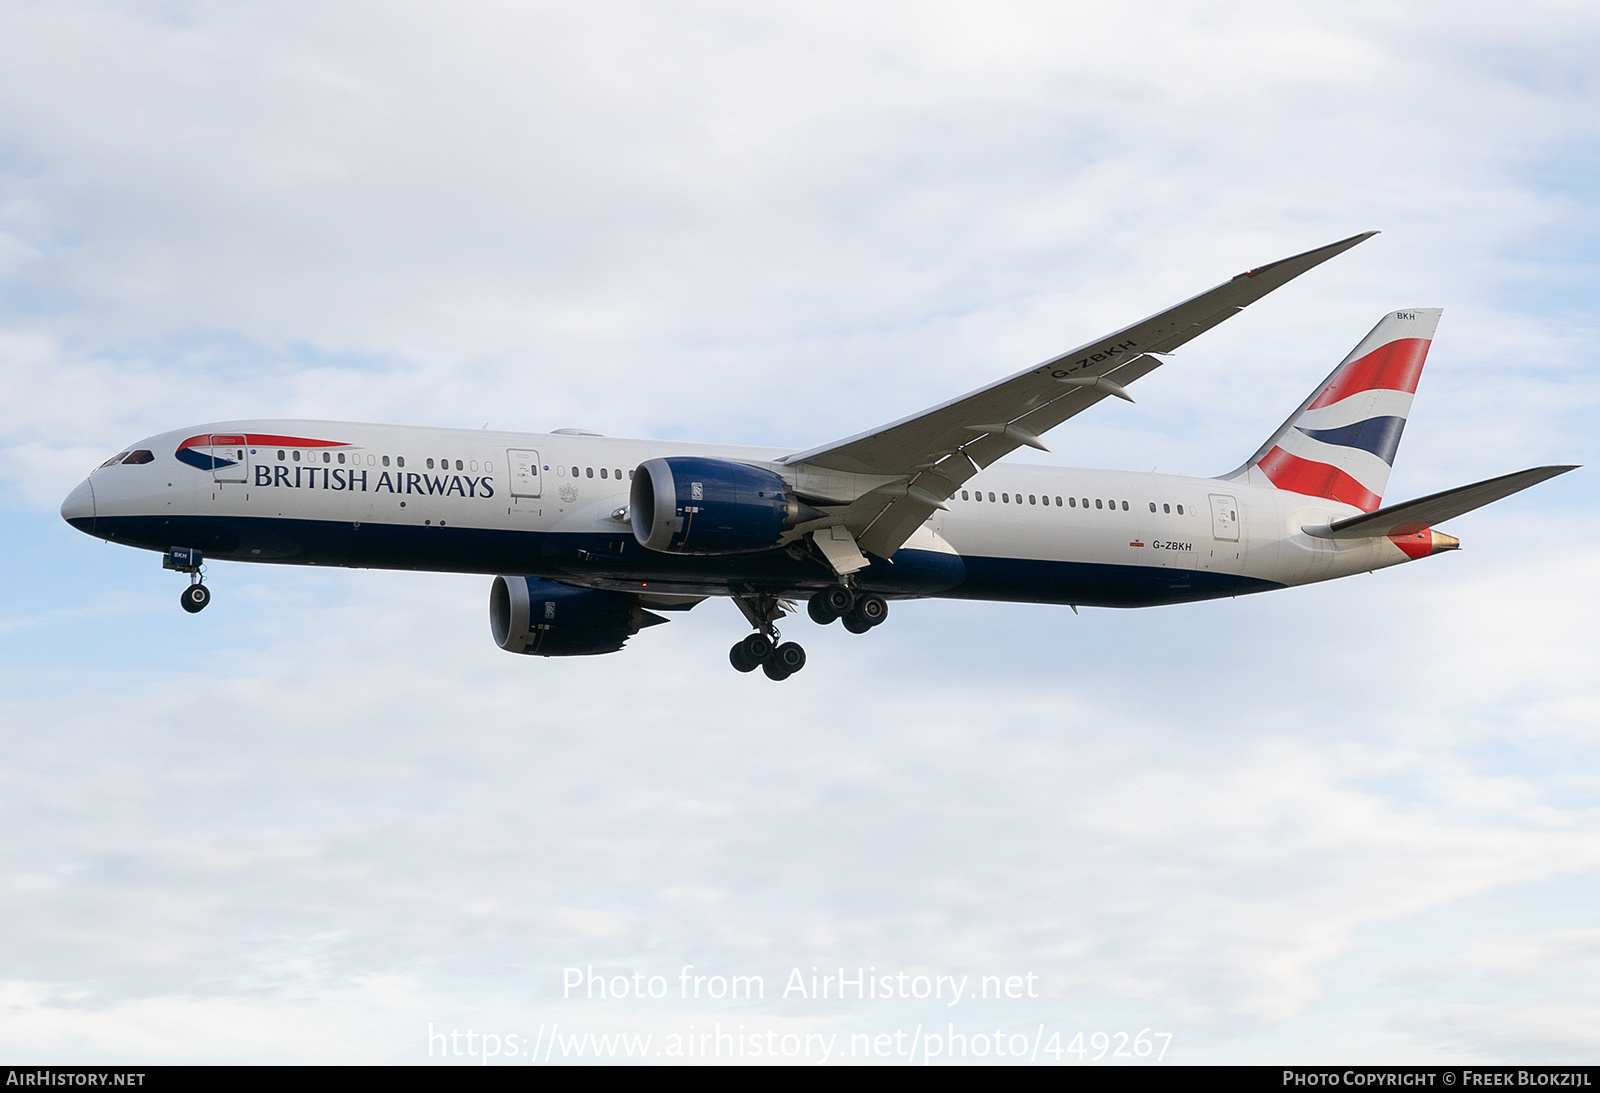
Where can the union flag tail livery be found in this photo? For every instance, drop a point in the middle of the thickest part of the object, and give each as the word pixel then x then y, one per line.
pixel 1340 444
pixel 588 536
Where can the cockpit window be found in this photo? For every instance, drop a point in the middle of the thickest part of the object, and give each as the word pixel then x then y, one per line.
pixel 143 455
pixel 113 461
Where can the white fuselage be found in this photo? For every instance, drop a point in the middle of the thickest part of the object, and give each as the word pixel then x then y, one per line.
pixel 333 493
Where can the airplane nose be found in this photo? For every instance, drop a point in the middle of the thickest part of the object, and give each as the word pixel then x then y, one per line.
pixel 78 508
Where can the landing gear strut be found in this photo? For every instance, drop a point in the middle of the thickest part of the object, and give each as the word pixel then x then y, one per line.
pixel 190 561
pixel 763 649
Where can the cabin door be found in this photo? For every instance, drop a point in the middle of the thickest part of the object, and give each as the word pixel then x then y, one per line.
pixel 230 459
pixel 526 481
pixel 1224 518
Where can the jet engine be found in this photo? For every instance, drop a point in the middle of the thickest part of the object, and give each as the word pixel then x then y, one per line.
pixel 543 618
pixel 690 505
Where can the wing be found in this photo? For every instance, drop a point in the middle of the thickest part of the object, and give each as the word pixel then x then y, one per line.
pixel 921 460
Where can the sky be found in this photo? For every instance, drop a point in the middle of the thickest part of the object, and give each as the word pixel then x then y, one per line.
pixel 1354 822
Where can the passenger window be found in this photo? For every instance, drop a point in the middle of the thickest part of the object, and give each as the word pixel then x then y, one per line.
pixel 1005 498
pixel 630 476
pixel 1031 500
pixel 1085 502
pixel 602 472
pixel 341 457
pixel 964 496
pixel 1152 506
pixel 400 459
pixel 385 461
pixel 1167 509
pixel 1097 503
pixel 616 474
pixel 589 473
pixel 1124 506
pixel 143 456
pixel 280 455
pixel 430 464
pixel 1180 510
pixel 1073 501
pixel 991 496
pixel 1045 499
pixel 297 457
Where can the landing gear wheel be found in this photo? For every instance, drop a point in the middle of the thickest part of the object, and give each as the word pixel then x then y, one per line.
pixel 757 648
pixel 774 670
pixel 789 656
pixel 855 625
pixel 818 610
pixel 195 598
pixel 838 599
pixel 871 609
pixel 740 659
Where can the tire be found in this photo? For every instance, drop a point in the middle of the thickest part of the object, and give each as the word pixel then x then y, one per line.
pixel 790 657
pixel 818 610
pixel 195 598
pixel 855 625
pixel 757 647
pixel 740 659
pixel 838 599
pixel 872 609
pixel 775 671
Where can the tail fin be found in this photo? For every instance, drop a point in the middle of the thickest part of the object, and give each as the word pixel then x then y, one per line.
pixel 1341 442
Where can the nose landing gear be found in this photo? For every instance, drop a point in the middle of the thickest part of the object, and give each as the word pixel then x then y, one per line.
pixel 189 560
pixel 195 597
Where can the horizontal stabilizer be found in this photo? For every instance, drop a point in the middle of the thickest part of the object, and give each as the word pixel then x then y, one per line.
pixel 1414 516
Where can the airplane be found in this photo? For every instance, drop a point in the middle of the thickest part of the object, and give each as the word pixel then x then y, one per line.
pixel 591 538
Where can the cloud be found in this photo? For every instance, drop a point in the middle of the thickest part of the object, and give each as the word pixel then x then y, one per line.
pixel 328 811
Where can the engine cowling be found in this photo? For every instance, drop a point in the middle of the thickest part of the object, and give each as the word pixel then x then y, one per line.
pixel 691 505
pixel 546 619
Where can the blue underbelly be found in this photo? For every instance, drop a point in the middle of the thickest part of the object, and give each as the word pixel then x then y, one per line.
pixel 616 560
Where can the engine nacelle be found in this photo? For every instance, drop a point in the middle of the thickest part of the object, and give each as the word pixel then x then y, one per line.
pixel 691 505
pixel 543 618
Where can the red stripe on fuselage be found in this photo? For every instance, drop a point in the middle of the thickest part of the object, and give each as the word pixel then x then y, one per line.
pixel 1290 472
pixel 1395 366
pixel 265 440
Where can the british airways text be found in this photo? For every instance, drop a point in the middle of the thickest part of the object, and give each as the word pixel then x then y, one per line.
pixel 339 478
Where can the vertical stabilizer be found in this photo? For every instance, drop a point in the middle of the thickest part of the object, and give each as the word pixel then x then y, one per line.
pixel 1341 442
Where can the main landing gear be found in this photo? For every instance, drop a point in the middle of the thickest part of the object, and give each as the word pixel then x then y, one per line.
pixel 860 611
pixel 758 651
pixel 763 649
pixel 190 561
